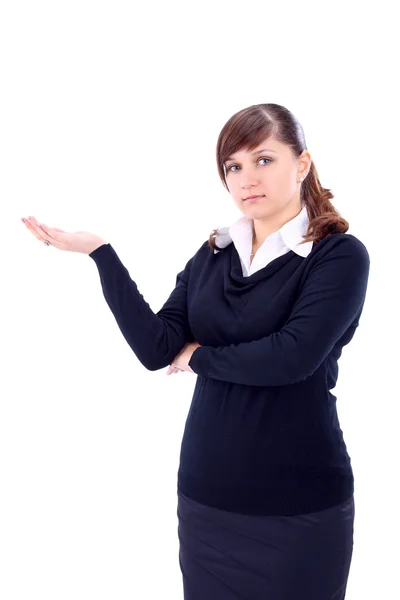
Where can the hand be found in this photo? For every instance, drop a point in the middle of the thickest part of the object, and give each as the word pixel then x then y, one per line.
pixel 80 241
pixel 181 360
pixel 173 370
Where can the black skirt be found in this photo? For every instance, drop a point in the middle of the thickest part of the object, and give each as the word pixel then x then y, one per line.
pixel 231 556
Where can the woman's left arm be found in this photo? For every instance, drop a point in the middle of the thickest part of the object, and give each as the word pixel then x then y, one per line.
pixel 330 301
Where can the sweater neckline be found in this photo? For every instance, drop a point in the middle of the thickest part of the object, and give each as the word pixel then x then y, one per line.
pixel 236 270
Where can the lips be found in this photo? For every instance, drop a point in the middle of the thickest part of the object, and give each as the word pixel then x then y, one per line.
pixel 253 197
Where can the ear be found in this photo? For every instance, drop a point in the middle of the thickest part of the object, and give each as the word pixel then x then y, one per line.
pixel 304 163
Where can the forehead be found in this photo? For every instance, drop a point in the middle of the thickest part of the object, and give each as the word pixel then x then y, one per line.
pixel 268 145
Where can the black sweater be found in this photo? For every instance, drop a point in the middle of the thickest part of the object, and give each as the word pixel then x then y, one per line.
pixel 262 435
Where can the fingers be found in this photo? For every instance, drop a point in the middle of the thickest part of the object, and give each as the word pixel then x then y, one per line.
pixel 51 229
pixel 42 228
pixel 172 369
pixel 42 232
pixel 35 229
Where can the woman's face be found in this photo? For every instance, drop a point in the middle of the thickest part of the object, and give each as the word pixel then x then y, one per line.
pixel 270 170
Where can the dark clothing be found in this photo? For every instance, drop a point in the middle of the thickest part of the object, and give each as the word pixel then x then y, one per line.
pixel 230 556
pixel 262 436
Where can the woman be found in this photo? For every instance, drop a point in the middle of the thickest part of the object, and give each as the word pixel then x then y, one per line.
pixel 261 314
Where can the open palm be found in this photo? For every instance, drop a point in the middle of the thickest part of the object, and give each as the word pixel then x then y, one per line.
pixel 78 241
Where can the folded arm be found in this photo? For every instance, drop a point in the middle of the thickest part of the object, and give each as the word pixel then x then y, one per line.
pixel 331 299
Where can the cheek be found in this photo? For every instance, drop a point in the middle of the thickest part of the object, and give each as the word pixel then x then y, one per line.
pixel 279 180
pixel 234 188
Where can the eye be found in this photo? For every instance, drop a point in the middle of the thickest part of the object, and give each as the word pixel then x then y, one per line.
pixel 263 158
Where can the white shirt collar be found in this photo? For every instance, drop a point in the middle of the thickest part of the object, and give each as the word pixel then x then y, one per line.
pixel 289 235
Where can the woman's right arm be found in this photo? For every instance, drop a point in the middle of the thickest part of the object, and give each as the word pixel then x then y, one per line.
pixel 155 338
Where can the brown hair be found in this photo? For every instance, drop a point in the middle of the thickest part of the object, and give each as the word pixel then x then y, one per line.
pixel 248 128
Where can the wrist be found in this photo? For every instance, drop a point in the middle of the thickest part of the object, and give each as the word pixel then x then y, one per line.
pixel 97 244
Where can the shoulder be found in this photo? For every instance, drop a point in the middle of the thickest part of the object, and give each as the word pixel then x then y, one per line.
pixel 339 260
pixel 199 256
pixel 340 244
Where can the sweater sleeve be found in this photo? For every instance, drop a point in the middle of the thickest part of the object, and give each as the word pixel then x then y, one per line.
pixel 330 300
pixel 155 338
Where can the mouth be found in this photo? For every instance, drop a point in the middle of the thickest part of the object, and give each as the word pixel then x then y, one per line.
pixel 252 198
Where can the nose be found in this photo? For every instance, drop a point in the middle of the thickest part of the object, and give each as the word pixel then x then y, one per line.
pixel 248 179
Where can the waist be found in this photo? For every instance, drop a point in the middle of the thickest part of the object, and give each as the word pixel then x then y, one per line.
pixel 266 499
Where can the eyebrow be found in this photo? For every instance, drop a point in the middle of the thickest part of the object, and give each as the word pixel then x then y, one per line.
pixel 257 152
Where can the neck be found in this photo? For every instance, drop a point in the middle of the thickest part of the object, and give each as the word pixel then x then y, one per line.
pixel 264 227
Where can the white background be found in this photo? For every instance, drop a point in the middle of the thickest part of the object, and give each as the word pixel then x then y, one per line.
pixel 109 116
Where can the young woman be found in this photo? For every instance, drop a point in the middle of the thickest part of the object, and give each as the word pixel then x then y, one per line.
pixel 261 314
